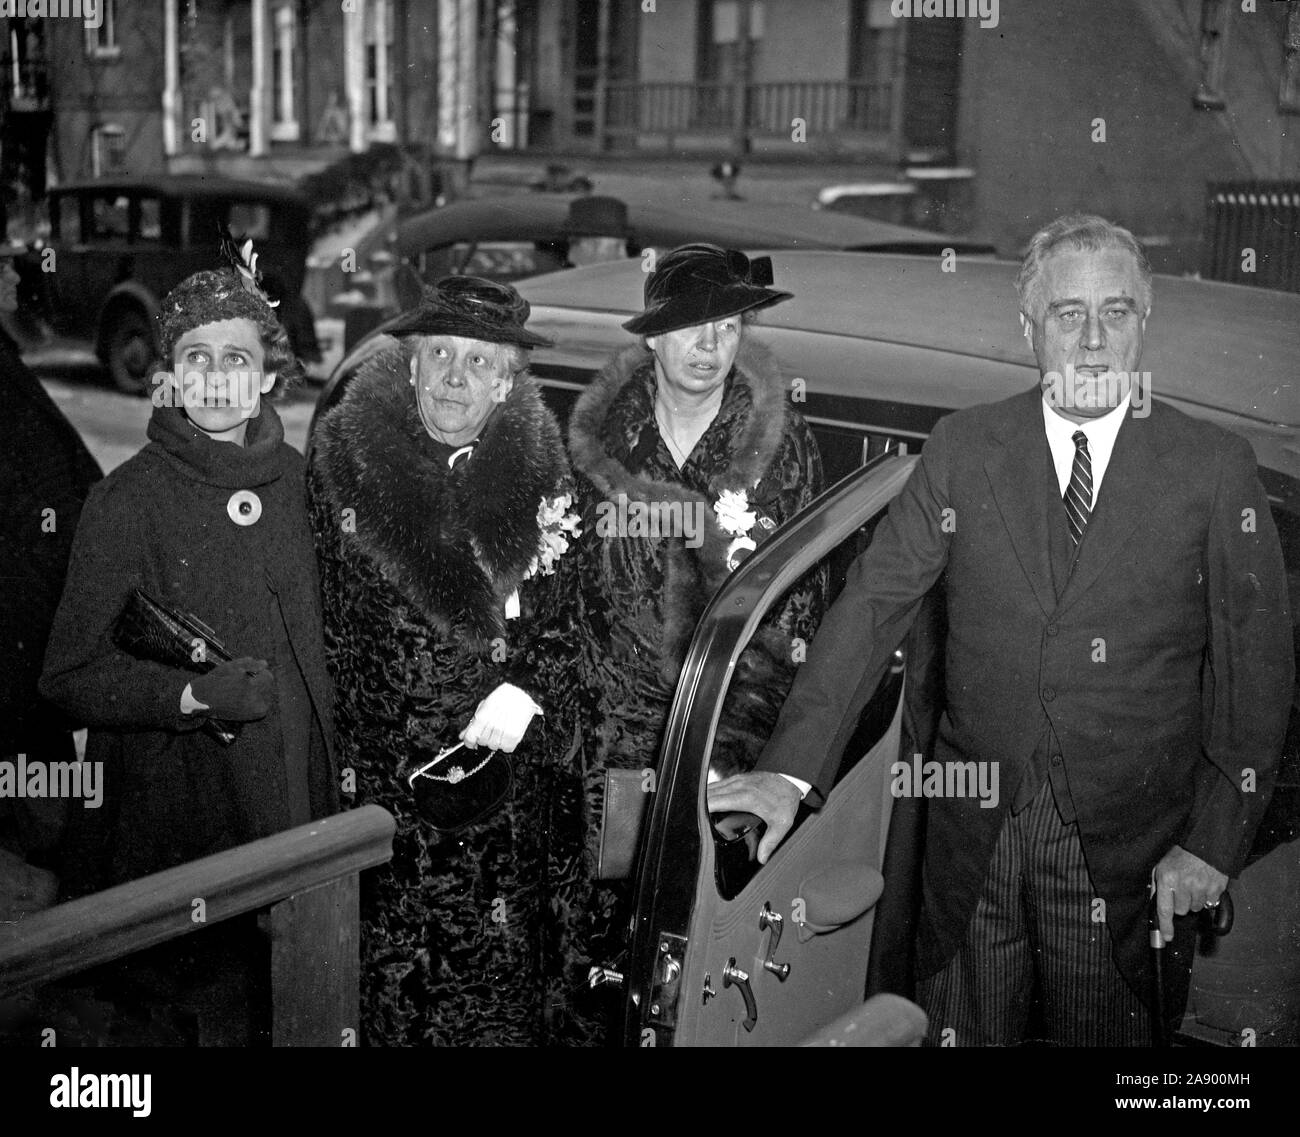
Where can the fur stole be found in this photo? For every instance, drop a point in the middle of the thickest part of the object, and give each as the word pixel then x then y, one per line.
pixel 691 576
pixel 454 543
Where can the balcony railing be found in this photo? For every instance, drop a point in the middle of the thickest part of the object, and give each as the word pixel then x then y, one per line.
pixel 826 108
pixel 307 878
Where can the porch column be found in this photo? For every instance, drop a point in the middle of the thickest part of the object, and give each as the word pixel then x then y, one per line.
pixel 740 111
pixel 171 96
pixel 354 73
pixel 259 106
pixel 600 109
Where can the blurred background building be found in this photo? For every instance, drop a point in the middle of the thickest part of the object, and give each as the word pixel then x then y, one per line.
pixel 1175 117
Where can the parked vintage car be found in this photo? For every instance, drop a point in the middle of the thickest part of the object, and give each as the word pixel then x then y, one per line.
pixel 879 348
pixel 514 237
pixel 122 245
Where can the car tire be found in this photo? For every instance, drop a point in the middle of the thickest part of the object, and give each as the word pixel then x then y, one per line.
pixel 130 350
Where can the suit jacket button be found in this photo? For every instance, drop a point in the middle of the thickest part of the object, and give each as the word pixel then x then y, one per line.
pixel 1052 629
pixel 1049 693
pixel 1056 759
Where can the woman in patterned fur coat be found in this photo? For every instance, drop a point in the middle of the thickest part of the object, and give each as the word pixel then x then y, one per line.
pixel 697 414
pixel 427 485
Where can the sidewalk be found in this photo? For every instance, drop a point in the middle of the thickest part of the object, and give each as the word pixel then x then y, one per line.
pixel 673 178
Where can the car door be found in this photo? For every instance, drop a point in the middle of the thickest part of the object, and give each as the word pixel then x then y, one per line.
pixel 726 952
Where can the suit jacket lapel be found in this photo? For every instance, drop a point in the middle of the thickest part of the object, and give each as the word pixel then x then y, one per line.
pixel 1015 470
pixel 1134 478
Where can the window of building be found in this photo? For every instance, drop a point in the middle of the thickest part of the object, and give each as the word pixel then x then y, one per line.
pixel 102 41
pixel 107 150
pixel 873 42
pixel 379 71
pixel 150 224
pixel 284 118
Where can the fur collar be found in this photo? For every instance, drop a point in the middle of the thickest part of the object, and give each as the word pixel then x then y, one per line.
pixel 752 450
pixel 454 543
pixel 691 576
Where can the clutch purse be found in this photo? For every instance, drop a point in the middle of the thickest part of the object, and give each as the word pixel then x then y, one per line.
pixel 453 793
pixel 148 629
pixel 622 818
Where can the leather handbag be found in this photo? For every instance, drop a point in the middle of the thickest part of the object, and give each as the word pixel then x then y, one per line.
pixel 451 794
pixel 621 822
pixel 149 629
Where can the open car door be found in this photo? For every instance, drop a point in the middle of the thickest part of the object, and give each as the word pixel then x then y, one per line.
pixel 727 952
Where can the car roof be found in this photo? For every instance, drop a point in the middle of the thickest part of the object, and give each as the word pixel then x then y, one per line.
pixel 190 185
pixel 740 225
pixel 1224 347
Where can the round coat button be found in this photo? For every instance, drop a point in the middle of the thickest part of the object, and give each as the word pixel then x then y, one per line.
pixel 1049 693
pixel 244 507
pixel 1056 759
pixel 1052 629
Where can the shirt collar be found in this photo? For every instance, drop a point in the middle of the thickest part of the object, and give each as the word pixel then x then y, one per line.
pixel 1060 428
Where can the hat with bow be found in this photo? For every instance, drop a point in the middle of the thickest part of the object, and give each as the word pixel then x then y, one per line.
pixel 697 284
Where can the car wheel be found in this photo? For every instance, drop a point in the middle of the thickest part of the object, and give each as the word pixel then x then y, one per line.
pixel 130 350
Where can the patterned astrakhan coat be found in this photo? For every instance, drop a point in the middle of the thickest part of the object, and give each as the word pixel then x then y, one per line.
pixel 459 932
pixel 641 597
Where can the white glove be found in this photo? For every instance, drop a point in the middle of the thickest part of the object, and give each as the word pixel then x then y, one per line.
pixel 501 719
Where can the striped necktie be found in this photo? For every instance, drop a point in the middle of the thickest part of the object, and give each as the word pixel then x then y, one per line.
pixel 1078 494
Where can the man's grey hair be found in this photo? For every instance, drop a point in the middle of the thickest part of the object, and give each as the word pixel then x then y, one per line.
pixel 1086 232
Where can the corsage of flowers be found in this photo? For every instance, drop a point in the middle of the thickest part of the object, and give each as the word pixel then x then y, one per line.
pixel 735 517
pixel 556 523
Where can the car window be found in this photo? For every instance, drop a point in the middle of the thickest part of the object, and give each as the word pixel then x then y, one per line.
pixel 67 221
pixel 110 218
pixel 734 841
pixel 510 260
pixel 205 216
pixel 150 227
pixel 250 219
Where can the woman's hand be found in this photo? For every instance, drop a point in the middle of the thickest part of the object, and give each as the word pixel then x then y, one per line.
pixel 501 719
pixel 238 691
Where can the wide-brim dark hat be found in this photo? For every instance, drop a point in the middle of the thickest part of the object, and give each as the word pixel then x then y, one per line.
pixel 596 216
pixel 696 284
pixel 472 307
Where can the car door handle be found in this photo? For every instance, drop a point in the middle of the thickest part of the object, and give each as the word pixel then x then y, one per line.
pixel 733 976
pixel 769 919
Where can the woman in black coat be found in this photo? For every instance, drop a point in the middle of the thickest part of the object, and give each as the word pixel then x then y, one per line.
pixel 210 518
pixel 438 488
pixel 695 421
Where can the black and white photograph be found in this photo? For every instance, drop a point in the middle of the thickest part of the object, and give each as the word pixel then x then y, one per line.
pixel 625 524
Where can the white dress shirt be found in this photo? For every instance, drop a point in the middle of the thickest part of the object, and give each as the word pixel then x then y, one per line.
pixel 1101 433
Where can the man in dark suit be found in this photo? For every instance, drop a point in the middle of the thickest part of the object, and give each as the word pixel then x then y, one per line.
pixel 1119 656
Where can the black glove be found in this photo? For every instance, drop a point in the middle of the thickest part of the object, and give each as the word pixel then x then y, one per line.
pixel 239 691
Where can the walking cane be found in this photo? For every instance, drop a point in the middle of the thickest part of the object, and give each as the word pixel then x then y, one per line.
pixel 1219 920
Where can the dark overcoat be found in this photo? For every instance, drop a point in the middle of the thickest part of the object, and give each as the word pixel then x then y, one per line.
pixel 162 522
pixel 45 473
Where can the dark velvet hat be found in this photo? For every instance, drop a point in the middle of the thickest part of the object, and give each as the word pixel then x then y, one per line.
pixel 596 216
pixel 472 307
pixel 695 284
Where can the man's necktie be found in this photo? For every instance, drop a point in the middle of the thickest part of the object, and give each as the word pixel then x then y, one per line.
pixel 1078 494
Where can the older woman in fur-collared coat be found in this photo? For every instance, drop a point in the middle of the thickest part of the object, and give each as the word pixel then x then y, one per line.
pixel 698 415
pixel 426 487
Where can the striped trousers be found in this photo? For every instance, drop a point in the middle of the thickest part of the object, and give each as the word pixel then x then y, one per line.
pixel 1037 963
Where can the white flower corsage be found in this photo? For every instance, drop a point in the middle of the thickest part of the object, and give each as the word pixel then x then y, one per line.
pixel 556 524
pixel 735 517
